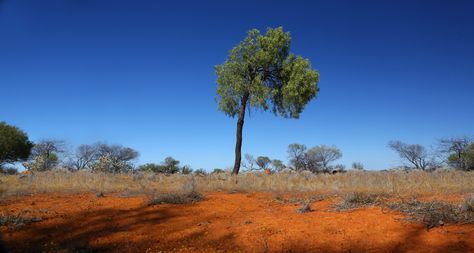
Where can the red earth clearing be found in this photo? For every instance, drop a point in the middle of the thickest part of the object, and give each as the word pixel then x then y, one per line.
pixel 224 222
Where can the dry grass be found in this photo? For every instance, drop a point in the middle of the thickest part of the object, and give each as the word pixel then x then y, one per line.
pixel 391 183
pixel 16 221
pixel 176 198
pixel 356 200
pixel 433 213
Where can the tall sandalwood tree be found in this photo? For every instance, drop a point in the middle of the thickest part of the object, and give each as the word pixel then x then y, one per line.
pixel 261 73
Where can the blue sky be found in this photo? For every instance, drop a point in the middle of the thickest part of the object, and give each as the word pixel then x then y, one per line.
pixel 141 74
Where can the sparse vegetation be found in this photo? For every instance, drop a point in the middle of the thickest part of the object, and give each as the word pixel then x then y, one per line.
pixel 176 198
pixel 433 213
pixel 357 199
pixel 17 221
pixel 414 154
pixel 392 183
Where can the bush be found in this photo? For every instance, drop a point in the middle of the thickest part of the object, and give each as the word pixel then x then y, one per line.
pixel 185 170
pixel 434 213
pixel 468 204
pixel 217 171
pixel 176 198
pixel 201 172
pixel 356 200
pixel 17 221
pixel 111 164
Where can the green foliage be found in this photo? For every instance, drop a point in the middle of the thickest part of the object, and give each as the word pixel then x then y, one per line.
pixel 278 165
pixel 168 166
pixel 465 158
pixel 186 170
pixel 14 144
pixel 263 162
pixel 217 171
pixel 113 158
pixel 319 157
pixel 200 172
pixel 44 155
pixel 151 167
pixel 297 155
pixel 262 68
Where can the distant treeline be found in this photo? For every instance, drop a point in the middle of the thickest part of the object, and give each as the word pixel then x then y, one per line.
pixel 45 155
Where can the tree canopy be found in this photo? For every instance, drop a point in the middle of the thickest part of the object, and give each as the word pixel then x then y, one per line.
pixel 262 69
pixel 14 144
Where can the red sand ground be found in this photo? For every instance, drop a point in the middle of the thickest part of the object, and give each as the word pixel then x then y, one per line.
pixel 224 222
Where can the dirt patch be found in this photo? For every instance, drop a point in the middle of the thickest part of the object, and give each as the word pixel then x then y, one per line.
pixel 239 222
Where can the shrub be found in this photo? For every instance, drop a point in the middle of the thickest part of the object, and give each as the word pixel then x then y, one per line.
pixel 185 170
pixel 200 172
pixel 152 167
pixel 468 204
pixel 176 198
pixel 305 208
pixel 433 213
pixel 17 221
pixel 217 171
pixel 356 200
pixel 111 164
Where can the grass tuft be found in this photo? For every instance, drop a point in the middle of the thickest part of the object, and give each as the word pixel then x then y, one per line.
pixel 356 200
pixel 434 213
pixel 17 221
pixel 176 198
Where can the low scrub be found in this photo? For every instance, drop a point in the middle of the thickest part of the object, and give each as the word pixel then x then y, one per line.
pixel 176 198
pixel 16 221
pixel 468 204
pixel 434 213
pixel 356 200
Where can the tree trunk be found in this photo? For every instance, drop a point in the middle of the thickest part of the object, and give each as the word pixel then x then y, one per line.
pixel 238 143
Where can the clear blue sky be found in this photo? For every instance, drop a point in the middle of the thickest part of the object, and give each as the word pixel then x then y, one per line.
pixel 141 74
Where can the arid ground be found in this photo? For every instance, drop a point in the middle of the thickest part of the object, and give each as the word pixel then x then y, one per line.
pixel 222 222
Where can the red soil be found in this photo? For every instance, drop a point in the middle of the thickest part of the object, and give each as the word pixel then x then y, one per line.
pixel 222 223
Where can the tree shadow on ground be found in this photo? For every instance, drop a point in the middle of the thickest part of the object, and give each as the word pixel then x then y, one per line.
pixel 141 229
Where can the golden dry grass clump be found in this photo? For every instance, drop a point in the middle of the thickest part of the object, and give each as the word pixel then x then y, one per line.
pixel 375 182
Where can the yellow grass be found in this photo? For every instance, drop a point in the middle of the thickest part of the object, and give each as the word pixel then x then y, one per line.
pixel 393 183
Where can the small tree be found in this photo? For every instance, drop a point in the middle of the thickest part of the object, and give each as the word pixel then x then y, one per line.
pixel 249 163
pixel 466 159
pixel 84 156
pixel 14 144
pixel 45 155
pixel 414 154
pixel 171 165
pixel 357 166
pixel 278 165
pixel 261 73
pixel 186 169
pixel 263 162
pixel 320 157
pixel 297 155
pixel 456 149
pixel 114 158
